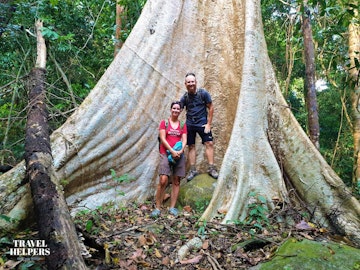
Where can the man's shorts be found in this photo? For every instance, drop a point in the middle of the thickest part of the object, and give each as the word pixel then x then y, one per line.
pixel 178 169
pixel 191 135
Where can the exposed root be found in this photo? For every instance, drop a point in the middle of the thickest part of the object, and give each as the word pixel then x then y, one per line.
pixel 214 263
pixel 194 243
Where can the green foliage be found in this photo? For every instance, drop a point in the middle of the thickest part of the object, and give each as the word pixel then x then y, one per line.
pixel 357 190
pixel 89 226
pixel 64 182
pixel 200 205
pixel 80 46
pixel 329 21
pixel 202 228
pixel 6 218
pixel 336 141
pixel 129 17
pixel 94 220
pixel 125 178
pixel 257 214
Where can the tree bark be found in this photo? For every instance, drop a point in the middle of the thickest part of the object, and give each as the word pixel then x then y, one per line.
pixel 310 86
pixel 354 71
pixel 258 142
pixel 52 215
pixel 118 42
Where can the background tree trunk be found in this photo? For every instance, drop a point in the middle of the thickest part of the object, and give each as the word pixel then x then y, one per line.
pixel 354 71
pixel 258 142
pixel 53 219
pixel 118 42
pixel 310 85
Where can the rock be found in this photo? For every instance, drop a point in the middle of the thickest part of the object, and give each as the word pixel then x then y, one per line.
pixel 198 192
pixel 306 254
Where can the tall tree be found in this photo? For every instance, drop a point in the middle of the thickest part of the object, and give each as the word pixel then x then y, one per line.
pixel 354 71
pixel 52 215
pixel 260 145
pixel 118 41
pixel 310 86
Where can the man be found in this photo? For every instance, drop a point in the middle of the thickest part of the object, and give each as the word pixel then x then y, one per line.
pixel 199 115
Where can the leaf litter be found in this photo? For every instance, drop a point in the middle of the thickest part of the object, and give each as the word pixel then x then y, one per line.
pixel 128 238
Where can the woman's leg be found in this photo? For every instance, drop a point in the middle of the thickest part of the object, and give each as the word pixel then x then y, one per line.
pixel 160 192
pixel 175 188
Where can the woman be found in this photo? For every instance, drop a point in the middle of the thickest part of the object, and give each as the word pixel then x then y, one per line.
pixel 171 132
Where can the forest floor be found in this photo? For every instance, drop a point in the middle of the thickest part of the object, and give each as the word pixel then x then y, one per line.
pixel 128 238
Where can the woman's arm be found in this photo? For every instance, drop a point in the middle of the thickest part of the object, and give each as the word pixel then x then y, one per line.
pixel 184 142
pixel 162 135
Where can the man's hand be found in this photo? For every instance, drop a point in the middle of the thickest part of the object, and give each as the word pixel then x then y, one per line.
pixel 207 128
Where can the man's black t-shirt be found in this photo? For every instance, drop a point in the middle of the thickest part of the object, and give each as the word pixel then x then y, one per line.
pixel 196 108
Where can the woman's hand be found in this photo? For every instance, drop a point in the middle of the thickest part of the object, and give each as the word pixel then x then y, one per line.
pixel 176 154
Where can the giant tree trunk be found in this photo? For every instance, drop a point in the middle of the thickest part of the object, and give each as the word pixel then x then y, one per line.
pixel 257 140
pixel 53 218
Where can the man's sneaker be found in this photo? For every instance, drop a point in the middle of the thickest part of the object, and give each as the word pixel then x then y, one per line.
pixel 192 174
pixel 173 211
pixel 155 213
pixel 213 172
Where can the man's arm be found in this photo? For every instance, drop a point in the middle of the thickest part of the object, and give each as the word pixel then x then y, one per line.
pixel 183 102
pixel 210 108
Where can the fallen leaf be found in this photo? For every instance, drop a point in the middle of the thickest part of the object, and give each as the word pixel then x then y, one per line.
pixel 144 263
pixel 142 240
pixel 137 254
pixel 165 260
pixel 205 245
pixel 11 264
pixel 194 260
pixel 157 253
pixel 303 225
pixel 332 252
pixel 144 207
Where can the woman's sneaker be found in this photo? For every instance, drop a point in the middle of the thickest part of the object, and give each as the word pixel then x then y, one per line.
pixel 173 211
pixel 155 213
pixel 192 174
pixel 213 172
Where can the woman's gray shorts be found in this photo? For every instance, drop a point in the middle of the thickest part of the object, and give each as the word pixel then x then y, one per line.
pixel 178 169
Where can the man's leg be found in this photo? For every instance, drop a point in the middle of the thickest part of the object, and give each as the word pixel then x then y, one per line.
pixel 192 155
pixel 209 151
